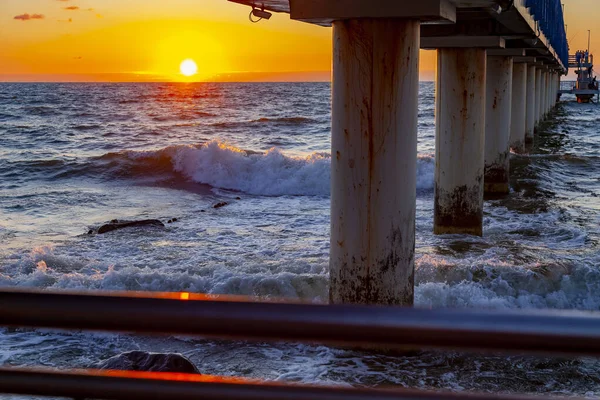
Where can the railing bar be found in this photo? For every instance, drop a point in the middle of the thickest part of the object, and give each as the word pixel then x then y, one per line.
pixel 535 331
pixel 92 386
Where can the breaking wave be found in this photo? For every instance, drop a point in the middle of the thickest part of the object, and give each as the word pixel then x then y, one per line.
pixel 272 173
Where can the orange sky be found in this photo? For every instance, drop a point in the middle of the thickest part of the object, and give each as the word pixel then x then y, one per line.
pixel 124 40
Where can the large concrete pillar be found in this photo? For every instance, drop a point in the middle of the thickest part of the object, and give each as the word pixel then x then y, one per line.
pixel 374 156
pixel 499 82
pixel 538 95
pixel 460 137
pixel 530 112
pixel 518 125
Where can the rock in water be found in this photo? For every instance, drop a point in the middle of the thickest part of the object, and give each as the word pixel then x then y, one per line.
pixel 115 225
pixel 221 204
pixel 153 362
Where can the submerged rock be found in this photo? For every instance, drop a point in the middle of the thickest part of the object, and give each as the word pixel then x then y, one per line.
pixel 220 204
pixel 154 362
pixel 115 225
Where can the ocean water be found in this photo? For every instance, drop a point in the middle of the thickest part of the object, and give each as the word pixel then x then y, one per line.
pixel 74 156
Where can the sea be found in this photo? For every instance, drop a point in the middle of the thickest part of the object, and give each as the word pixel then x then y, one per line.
pixel 76 156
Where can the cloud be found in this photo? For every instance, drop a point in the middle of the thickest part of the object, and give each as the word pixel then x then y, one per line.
pixel 28 17
pixel 71 8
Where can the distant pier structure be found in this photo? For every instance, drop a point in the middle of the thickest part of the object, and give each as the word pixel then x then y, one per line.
pixel 585 87
pixel 498 72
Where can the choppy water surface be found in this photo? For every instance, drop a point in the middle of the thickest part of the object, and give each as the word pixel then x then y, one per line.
pixel 73 156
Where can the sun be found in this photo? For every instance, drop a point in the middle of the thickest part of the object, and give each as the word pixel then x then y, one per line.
pixel 188 67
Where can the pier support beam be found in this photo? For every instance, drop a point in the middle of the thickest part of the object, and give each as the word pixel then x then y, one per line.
pixel 554 88
pixel 538 96
pixel 530 112
pixel 546 94
pixel 374 156
pixel 499 82
pixel 460 137
pixel 518 126
pixel 543 93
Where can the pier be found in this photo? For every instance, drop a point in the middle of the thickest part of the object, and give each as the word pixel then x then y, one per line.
pixel 499 64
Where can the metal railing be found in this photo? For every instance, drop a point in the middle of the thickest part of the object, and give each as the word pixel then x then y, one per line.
pixel 549 14
pixel 553 332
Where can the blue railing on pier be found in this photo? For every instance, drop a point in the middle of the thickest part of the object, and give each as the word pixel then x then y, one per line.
pixel 549 16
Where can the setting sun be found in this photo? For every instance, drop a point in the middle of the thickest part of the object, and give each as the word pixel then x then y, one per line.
pixel 188 67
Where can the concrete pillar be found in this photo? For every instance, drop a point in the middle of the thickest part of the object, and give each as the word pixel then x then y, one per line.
pixel 547 94
pixel 538 95
pixel 547 90
pixel 555 85
pixel 374 155
pixel 460 137
pixel 499 82
pixel 518 125
pixel 530 112
pixel 543 98
pixel 554 91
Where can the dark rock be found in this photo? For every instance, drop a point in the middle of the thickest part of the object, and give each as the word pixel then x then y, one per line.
pixel 144 361
pixel 238 198
pixel 172 220
pixel 113 226
pixel 202 211
pixel 90 232
pixel 220 204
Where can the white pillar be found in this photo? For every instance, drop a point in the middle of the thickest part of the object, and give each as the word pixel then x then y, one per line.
pixel 499 82
pixel 538 95
pixel 554 90
pixel 374 156
pixel 544 97
pixel 547 90
pixel 557 86
pixel 460 137
pixel 547 94
pixel 530 113
pixel 518 125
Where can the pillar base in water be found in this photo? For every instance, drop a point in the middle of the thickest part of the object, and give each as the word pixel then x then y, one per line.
pixel 496 182
pixel 459 216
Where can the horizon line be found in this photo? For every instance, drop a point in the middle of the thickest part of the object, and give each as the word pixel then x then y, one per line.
pixel 132 77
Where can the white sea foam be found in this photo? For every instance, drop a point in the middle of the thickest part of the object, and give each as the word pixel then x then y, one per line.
pixel 479 282
pixel 42 268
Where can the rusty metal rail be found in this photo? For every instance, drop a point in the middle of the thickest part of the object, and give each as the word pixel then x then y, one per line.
pixel 567 333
